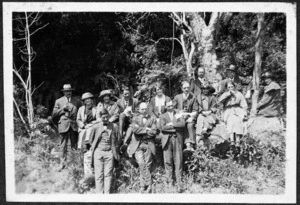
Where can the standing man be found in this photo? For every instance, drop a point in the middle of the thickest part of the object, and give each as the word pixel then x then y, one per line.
pixel 233 77
pixel 172 142
pixel 200 80
pixel 106 103
pixel 270 104
pixel 65 110
pixel 125 103
pixel 104 149
pixel 142 145
pixel 184 102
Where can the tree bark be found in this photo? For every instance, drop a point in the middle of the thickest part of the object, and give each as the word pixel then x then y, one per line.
pixel 258 61
pixel 203 35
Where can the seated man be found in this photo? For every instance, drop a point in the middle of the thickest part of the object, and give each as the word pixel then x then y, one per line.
pixel 172 129
pixel 184 102
pixel 107 103
pixel 206 106
pixel 142 145
pixel 127 105
pixel 104 149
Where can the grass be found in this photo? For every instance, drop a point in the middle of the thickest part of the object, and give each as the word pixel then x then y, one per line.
pixel 259 170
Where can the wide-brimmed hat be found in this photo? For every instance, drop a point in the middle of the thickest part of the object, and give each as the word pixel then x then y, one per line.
pixel 86 96
pixel 105 92
pixel 232 68
pixel 67 87
pixel 205 85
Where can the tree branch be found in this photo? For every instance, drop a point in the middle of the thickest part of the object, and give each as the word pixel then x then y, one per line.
pixel 167 39
pixel 38 29
pixel 20 78
pixel 37 87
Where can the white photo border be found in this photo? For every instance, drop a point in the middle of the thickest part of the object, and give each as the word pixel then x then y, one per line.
pixel 291 134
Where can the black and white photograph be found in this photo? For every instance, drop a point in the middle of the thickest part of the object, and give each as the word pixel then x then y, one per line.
pixel 150 102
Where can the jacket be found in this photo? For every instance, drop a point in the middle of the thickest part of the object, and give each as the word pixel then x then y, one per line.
pixel 132 102
pixel 95 137
pixel 205 103
pixel 179 102
pixel 166 130
pixel 112 109
pixel 270 104
pixel 67 117
pixel 238 81
pixel 196 85
pixel 139 133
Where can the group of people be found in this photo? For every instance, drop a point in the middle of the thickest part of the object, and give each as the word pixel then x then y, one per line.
pixel 134 125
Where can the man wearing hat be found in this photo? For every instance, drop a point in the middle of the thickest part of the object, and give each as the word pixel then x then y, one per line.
pixel 270 103
pixel 172 128
pixel 65 110
pixel 127 106
pixel 86 118
pixel 184 102
pixel 104 150
pixel 206 106
pixel 106 103
pixel 233 77
pixel 196 84
pixel 142 145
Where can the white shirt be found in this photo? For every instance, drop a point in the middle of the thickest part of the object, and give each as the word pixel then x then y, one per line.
pixel 171 114
pixel 159 102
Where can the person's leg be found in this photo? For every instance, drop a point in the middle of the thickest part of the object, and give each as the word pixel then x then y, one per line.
pixel 139 156
pixel 63 149
pixel 147 172
pixel 177 156
pixel 99 171
pixel 73 139
pixel 168 160
pixel 108 170
pixel 122 118
pixel 199 125
pixel 191 136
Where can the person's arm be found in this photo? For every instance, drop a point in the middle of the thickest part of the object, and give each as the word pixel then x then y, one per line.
pixel 165 127
pixel 267 97
pixel 136 128
pixel 175 102
pixel 243 104
pixel 213 105
pixel 224 97
pixel 79 121
pixel 98 116
pixel 115 113
pixel 57 110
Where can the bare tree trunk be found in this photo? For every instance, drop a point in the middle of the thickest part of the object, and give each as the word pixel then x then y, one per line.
pixel 258 61
pixel 204 37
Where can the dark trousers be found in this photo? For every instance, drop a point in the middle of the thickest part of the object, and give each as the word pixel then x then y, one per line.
pixel 124 122
pixel 173 157
pixel 190 134
pixel 65 137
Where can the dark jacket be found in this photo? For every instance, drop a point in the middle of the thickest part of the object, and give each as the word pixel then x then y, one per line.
pixel 67 117
pixel 270 104
pixel 132 102
pixel 140 133
pixel 95 137
pixel 166 130
pixel 179 102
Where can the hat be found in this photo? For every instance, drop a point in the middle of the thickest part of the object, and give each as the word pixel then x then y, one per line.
pixel 267 75
pixel 86 96
pixel 67 87
pixel 104 92
pixel 143 105
pixel 231 67
pixel 104 112
pixel 205 85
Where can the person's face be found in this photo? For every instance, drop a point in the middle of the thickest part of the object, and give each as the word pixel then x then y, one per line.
pixel 104 118
pixel 230 73
pixel 186 88
pixel 170 108
pixel 230 87
pixel 268 81
pixel 106 98
pixel 68 94
pixel 88 101
pixel 143 110
pixel 205 91
pixel 159 91
pixel 201 72
pixel 126 94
